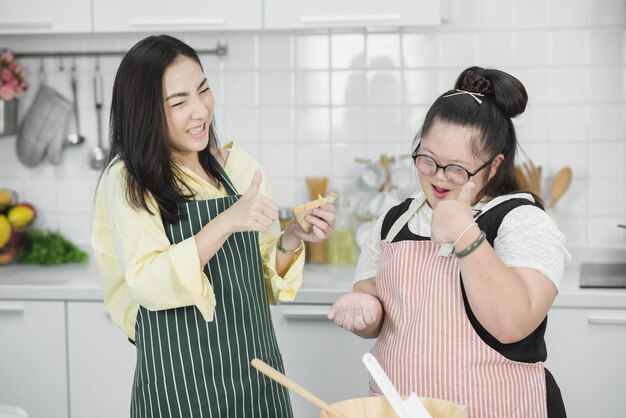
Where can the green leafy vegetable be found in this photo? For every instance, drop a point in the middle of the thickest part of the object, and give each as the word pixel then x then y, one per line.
pixel 50 248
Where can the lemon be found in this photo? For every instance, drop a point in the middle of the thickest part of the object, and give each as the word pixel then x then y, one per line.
pixel 5 230
pixel 20 216
pixel 7 198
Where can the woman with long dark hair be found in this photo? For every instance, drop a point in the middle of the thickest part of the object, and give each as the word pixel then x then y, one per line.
pixel 188 246
pixel 457 281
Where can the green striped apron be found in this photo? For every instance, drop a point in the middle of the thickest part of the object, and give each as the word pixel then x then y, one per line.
pixel 187 367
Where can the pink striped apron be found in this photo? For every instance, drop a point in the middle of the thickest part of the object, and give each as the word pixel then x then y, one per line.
pixel 428 346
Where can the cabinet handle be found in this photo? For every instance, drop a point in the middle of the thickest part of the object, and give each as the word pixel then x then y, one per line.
pixel 351 18
pixel 176 22
pixel 12 309
pixel 606 320
pixel 25 25
pixel 307 313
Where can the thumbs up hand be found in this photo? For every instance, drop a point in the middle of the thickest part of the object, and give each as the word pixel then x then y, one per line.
pixel 252 212
pixel 452 216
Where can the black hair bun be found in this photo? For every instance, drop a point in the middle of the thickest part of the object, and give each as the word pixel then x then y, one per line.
pixel 476 83
pixel 507 91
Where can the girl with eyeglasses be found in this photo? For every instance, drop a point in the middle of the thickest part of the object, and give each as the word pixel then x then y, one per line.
pixel 457 281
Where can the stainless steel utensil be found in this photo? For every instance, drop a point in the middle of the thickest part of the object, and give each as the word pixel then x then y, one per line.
pixel 99 154
pixel 75 138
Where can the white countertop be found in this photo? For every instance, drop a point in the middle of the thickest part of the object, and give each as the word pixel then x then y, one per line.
pixel 322 285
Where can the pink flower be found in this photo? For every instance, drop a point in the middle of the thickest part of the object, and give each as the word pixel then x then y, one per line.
pixel 6 93
pixel 6 74
pixel 12 76
pixel 7 56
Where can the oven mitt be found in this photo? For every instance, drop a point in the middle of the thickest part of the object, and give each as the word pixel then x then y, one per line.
pixel 43 128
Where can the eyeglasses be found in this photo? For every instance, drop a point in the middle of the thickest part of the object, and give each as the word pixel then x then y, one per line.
pixel 454 173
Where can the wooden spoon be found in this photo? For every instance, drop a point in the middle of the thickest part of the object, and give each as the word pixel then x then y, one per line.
pixel 533 177
pixel 562 180
pixel 274 374
pixel 521 178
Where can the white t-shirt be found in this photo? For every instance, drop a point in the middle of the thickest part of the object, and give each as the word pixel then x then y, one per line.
pixel 527 237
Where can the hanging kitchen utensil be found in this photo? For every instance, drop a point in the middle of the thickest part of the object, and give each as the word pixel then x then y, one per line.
pixel 560 184
pixel 293 386
pixel 100 153
pixel 75 138
pixel 43 127
pixel 44 123
pixel 55 150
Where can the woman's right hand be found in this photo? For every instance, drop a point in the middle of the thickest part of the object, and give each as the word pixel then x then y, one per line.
pixel 252 212
pixel 355 311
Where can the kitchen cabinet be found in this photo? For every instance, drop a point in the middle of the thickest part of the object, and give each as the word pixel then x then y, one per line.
pixel 299 14
pixel 101 363
pixel 33 369
pixel 35 16
pixel 167 16
pixel 587 355
pixel 320 356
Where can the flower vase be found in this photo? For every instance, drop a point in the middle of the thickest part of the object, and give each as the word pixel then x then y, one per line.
pixel 8 117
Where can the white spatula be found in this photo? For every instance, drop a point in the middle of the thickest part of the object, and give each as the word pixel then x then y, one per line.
pixel 411 408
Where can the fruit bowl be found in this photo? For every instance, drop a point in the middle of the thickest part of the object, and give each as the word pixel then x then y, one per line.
pixel 15 218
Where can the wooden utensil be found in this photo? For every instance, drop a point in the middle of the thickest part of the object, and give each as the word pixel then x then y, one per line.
pixel 533 177
pixel 521 178
pixel 560 184
pixel 274 374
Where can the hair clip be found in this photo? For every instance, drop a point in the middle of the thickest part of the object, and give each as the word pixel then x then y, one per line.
pixel 471 93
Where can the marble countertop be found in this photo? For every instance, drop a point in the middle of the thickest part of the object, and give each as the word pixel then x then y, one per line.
pixel 322 284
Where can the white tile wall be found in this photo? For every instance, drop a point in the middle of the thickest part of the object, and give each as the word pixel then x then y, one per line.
pixel 309 103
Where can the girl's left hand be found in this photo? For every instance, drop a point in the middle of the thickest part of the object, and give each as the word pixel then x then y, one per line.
pixel 323 221
pixel 452 216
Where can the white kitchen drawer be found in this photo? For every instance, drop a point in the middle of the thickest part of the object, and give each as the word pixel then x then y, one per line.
pixel 102 363
pixel 320 356
pixel 587 355
pixel 33 366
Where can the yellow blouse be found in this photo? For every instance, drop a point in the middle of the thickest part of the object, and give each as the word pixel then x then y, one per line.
pixel 137 265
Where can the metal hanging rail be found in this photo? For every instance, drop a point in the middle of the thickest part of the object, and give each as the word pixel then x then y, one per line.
pixel 220 50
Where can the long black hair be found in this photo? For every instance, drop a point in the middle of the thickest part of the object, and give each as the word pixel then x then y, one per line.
pixel 138 126
pixel 502 97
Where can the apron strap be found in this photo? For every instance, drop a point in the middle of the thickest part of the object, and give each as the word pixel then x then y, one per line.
pixel 228 184
pixel 404 218
pixel 479 211
pixel 416 205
